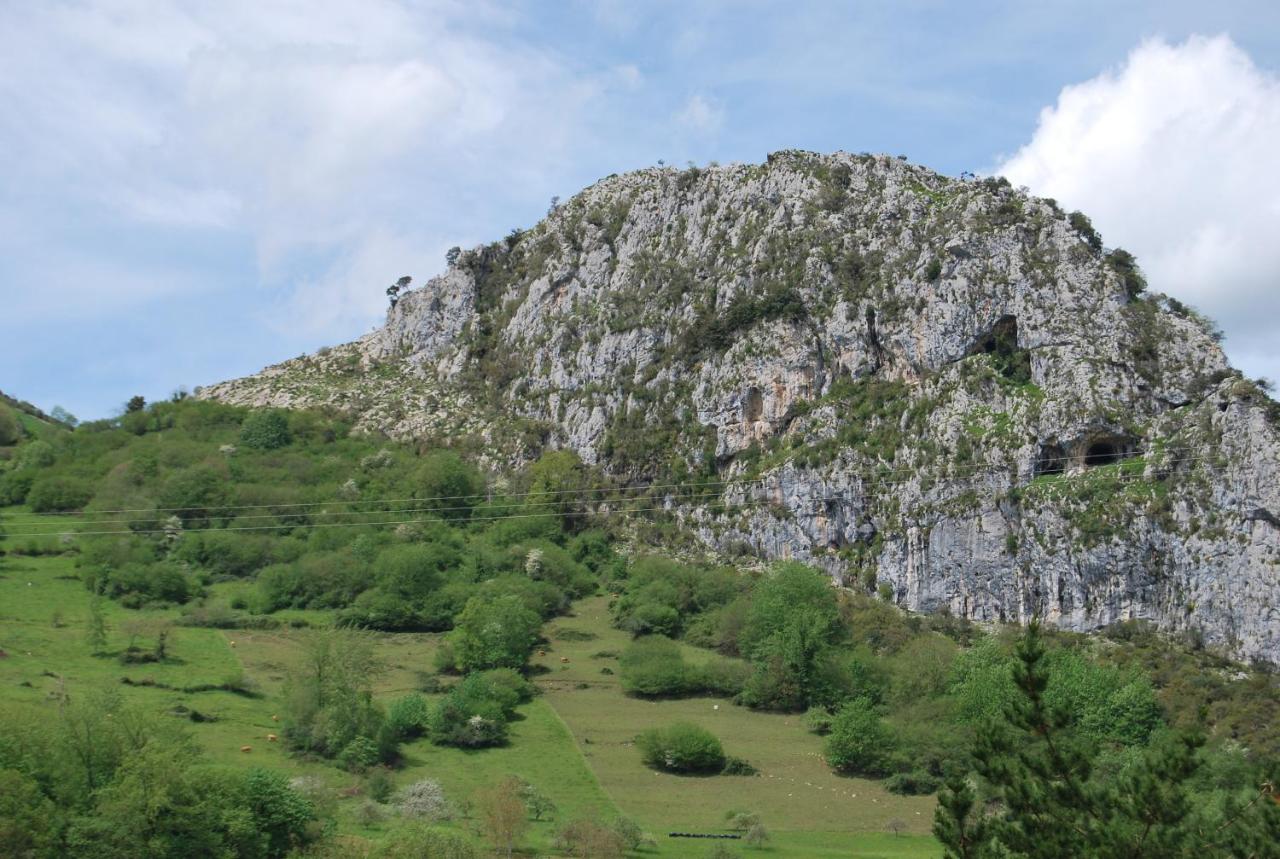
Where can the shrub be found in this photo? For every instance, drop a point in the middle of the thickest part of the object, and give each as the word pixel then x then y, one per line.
pixel 817 720
pixel 407 716
pixel 1084 227
pixel 591 840
pixel 914 783
pixel 681 748
pixel 653 666
pixel 859 742
pixel 1125 264
pixel 424 800
pixel 265 430
pixel 738 766
pixel 415 841
pixel 54 494
pixel 494 633
pixel 10 430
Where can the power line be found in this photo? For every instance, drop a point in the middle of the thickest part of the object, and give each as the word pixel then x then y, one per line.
pixel 553 496
pixel 1084 477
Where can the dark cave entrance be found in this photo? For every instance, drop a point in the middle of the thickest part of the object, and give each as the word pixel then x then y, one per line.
pixel 1103 452
pixel 1052 460
pixel 1001 343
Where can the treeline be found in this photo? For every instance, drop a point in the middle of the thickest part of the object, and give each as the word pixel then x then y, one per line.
pixel 907 697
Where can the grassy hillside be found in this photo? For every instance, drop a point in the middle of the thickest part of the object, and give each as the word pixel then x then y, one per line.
pixel 248 575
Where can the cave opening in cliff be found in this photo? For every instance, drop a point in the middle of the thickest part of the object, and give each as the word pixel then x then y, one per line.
pixel 1001 343
pixel 1103 452
pixel 1052 460
pixel 752 405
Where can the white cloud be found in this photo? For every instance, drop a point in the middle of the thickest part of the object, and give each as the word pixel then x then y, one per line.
pixel 701 116
pixel 317 130
pixel 1173 156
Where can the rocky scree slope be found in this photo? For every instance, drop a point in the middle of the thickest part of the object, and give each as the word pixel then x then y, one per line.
pixel 943 390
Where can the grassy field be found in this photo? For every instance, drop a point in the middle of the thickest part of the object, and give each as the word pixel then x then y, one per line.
pixel 809 810
pixel 573 742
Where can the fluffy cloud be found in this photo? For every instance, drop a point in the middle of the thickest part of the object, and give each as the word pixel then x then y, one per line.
pixel 332 139
pixel 1173 156
pixel 701 116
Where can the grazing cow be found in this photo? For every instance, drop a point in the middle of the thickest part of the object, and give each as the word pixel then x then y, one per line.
pixel 246 748
pixel 271 738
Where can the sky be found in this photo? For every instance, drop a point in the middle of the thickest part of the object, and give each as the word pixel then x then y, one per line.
pixel 191 191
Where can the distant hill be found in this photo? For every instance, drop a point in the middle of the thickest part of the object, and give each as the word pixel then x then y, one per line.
pixel 941 390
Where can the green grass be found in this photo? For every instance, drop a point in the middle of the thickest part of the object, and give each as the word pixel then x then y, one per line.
pixel 808 808
pixel 573 741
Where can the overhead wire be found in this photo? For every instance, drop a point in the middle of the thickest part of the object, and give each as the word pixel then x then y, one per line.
pixel 669 502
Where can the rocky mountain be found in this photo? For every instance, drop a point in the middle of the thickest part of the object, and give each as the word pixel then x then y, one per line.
pixel 941 389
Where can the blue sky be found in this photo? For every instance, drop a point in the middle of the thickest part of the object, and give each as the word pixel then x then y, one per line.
pixel 192 191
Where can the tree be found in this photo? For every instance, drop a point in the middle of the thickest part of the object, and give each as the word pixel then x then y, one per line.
pixel 448 484
pixel 451 256
pixel 329 706
pixel 859 742
pixel 29 821
pixel 494 633
pixel 10 430
pixel 558 484
pixel 1039 770
pixel 265 429
pixel 394 290
pixel 63 416
pixel 503 814
pixel 682 748
pixel 96 633
pixel 136 403
pixel 590 840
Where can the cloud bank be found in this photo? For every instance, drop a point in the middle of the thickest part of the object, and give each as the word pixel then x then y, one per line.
pixel 1174 157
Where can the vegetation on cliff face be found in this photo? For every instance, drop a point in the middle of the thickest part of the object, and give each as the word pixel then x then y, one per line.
pixel 256 522
pixel 880 368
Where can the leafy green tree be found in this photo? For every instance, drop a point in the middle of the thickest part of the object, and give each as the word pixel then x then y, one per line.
pixel 265 429
pixel 789 588
pixel 558 483
pixel 10 430
pixel 448 484
pixel 96 631
pixel 329 697
pixel 1041 774
pixel 136 403
pixel 57 493
pixel 29 821
pixel 494 634
pixel 859 743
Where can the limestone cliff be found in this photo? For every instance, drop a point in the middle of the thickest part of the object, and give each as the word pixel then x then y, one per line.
pixel 941 389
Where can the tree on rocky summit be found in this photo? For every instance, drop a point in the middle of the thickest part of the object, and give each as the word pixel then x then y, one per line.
pixel 394 290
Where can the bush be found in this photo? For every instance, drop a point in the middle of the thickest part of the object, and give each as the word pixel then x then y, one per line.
pixel 494 634
pixel 10 430
pixel 653 666
pixel 1125 264
pixel 1084 227
pixel 590 840
pixel 407 716
pixel 424 800
pixel 859 743
pixel 56 494
pixel 415 841
pixel 914 783
pixel 817 720
pixel 265 430
pixel 681 748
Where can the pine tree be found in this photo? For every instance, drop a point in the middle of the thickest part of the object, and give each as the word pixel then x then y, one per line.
pixel 1040 776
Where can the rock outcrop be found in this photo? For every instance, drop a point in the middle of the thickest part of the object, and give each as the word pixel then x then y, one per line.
pixel 944 390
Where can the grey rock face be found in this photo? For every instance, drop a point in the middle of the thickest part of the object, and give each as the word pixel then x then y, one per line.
pixel 933 388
